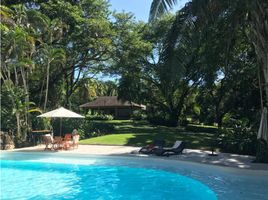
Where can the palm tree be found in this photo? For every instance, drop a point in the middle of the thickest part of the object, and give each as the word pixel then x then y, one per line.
pixel 16 52
pixel 252 14
pixel 159 7
pixel 48 54
pixel 51 56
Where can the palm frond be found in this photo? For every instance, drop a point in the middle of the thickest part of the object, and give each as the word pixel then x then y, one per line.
pixel 159 7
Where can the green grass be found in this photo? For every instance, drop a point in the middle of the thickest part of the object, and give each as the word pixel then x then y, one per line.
pixel 140 133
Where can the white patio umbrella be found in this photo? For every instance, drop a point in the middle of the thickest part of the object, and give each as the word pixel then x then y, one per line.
pixel 61 113
pixel 263 130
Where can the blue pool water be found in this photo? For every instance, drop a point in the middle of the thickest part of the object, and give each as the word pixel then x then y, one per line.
pixel 37 180
pixel 58 176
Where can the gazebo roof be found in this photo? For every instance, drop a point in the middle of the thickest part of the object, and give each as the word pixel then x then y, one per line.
pixel 111 102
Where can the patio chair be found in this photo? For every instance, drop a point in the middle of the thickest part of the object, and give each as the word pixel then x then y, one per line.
pixel 57 143
pixel 67 141
pixel 48 140
pixel 176 149
pixel 76 138
pixel 149 149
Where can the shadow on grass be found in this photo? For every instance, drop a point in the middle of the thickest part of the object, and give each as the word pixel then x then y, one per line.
pixel 192 141
pixel 143 133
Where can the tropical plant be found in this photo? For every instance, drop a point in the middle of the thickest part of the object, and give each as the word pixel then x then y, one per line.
pixel 227 17
pixel 50 51
pixel 230 16
pixel 166 76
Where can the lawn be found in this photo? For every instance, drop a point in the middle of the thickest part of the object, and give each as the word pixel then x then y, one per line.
pixel 140 133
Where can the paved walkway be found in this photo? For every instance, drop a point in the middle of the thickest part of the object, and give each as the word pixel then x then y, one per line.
pixel 193 155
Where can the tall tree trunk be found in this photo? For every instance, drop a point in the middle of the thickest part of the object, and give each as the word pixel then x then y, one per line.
pixel 26 100
pixel 173 118
pixel 67 90
pixel 18 124
pixel 259 38
pixel 219 119
pixel 47 85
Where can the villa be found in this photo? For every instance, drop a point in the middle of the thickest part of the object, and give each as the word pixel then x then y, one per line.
pixel 111 105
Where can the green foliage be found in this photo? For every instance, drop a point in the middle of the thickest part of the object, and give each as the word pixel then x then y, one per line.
pixel 201 128
pixel 138 115
pixel 99 117
pixel 230 29
pixel 166 76
pixel 41 123
pixel 262 152
pixel 95 128
pixel 199 63
pixel 240 138
pixel 89 89
pixel 86 127
pixel 157 119
pixel 49 52
pixel 158 7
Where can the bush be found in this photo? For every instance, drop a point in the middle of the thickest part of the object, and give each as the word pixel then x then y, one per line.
pixel 99 117
pixel 86 128
pixel 158 120
pixel 239 139
pixel 201 128
pixel 68 125
pixel 138 115
pixel 41 123
pixel 262 152
pixel 90 129
pixel 183 121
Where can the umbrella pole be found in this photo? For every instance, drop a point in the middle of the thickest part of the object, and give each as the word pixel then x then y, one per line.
pixel 60 126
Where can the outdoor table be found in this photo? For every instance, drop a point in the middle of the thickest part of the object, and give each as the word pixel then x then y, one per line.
pixel 38 134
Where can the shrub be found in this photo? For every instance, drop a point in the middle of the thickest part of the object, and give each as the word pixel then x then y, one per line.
pixel 158 120
pixel 93 129
pixel 201 128
pixel 41 123
pixel 99 117
pixel 68 125
pixel 239 139
pixel 138 115
pixel 184 121
pixel 86 128
pixel 262 152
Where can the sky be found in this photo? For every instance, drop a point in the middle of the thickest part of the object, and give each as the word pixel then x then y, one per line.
pixel 140 8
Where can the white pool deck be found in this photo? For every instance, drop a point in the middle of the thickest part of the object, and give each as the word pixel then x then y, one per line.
pixel 192 155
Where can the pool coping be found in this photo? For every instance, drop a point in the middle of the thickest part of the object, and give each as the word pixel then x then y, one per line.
pixel 261 170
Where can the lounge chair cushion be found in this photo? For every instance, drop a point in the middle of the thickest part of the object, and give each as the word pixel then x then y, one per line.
pixel 177 144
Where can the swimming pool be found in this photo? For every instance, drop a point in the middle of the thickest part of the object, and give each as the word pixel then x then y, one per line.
pixel 55 176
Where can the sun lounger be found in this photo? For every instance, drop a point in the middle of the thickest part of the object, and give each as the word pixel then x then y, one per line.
pixel 149 149
pixel 177 149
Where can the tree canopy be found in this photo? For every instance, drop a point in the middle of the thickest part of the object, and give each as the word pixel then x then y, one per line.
pixel 205 64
